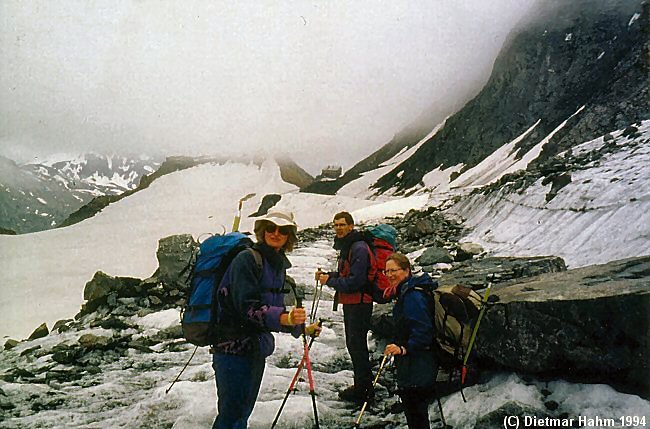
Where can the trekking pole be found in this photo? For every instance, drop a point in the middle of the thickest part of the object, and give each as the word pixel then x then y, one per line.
pixel 374 383
pixel 293 382
pixel 463 373
pixel 310 377
pixel 235 223
pixel 312 313
pixel 180 373
pixel 318 293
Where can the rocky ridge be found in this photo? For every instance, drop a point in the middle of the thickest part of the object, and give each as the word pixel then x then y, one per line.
pixel 582 62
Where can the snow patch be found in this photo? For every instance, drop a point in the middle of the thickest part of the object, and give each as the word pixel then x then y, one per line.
pixel 160 320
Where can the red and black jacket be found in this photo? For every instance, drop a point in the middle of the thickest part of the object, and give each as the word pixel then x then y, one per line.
pixel 351 281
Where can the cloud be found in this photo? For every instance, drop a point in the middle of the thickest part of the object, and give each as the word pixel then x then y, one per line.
pixel 328 82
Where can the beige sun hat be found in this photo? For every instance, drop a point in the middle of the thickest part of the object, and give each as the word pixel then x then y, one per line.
pixel 279 218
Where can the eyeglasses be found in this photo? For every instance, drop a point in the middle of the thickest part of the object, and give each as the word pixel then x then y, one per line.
pixel 284 230
pixel 389 272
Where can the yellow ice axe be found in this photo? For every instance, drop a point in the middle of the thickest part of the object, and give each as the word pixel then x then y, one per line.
pixel 235 224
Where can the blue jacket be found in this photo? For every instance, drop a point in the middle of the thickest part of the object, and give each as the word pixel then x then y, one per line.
pixel 414 322
pixel 252 309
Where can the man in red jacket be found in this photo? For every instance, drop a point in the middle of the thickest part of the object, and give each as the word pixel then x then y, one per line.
pixel 351 282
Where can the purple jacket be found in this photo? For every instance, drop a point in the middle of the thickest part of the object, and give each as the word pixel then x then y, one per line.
pixel 252 308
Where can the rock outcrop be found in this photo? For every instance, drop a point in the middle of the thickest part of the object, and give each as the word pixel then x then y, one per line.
pixel 589 324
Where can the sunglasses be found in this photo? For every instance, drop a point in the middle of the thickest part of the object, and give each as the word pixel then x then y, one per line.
pixel 284 230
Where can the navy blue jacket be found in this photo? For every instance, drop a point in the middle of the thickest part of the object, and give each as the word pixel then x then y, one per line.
pixel 351 278
pixel 414 326
pixel 255 303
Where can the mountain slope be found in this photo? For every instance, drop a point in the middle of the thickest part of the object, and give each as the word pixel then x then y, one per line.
pixel 573 54
pixel 40 195
pixel 594 209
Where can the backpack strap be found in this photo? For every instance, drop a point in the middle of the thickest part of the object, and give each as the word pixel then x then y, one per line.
pixel 372 273
pixel 258 259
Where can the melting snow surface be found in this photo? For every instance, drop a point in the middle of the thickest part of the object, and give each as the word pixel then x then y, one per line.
pixel 602 215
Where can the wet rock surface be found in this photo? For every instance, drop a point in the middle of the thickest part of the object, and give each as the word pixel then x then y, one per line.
pixel 589 324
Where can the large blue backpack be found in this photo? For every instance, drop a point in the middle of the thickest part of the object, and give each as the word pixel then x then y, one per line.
pixel 200 317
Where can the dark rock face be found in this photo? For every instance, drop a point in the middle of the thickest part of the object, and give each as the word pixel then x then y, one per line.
pixel 268 201
pixel 573 54
pixel 174 256
pixel 558 182
pixel 293 173
pixel 477 272
pixel 39 332
pixel 589 324
pixel 104 288
pixel 434 255
pixel 10 344
pixel 466 251
pixel 426 228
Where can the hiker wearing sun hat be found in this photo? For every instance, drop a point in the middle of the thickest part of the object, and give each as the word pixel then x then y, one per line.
pixel 253 309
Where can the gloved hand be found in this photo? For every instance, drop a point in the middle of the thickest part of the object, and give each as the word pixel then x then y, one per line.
pixel 323 278
pixel 296 316
pixel 395 350
pixel 313 330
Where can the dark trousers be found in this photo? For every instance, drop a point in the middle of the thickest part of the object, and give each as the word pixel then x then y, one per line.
pixel 356 318
pixel 416 407
pixel 238 383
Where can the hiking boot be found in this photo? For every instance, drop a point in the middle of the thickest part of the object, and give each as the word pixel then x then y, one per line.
pixel 357 395
pixel 349 394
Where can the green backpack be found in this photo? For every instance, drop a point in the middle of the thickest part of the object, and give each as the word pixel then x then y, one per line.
pixel 456 309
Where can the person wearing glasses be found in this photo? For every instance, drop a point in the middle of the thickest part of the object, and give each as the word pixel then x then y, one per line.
pixel 350 281
pixel 253 309
pixel 412 347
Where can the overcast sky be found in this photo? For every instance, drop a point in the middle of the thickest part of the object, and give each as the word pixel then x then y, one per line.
pixel 326 81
